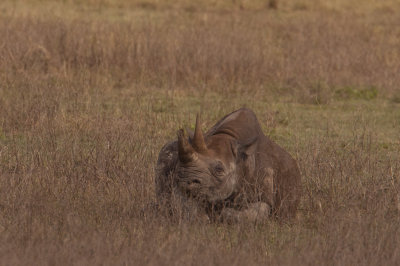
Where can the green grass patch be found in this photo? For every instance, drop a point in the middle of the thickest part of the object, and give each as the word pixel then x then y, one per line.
pixel 347 93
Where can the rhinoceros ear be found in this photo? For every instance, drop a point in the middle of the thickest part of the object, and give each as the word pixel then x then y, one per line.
pixel 247 148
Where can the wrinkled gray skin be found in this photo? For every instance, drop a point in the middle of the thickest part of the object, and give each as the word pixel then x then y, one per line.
pixel 232 173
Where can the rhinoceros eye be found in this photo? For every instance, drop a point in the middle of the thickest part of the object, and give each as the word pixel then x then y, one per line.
pixel 218 169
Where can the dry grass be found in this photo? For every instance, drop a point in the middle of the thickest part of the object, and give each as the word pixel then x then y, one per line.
pixel 90 91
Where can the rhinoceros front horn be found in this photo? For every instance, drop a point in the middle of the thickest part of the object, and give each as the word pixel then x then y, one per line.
pixel 198 139
pixel 186 152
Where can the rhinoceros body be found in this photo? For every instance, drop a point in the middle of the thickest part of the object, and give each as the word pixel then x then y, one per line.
pixel 233 172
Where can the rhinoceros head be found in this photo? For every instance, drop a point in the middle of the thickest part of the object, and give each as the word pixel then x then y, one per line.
pixel 209 168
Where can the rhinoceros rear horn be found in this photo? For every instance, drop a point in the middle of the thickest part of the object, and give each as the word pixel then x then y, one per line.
pixel 186 152
pixel 198 139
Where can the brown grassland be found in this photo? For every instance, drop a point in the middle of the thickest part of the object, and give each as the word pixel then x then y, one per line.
pixel 91 90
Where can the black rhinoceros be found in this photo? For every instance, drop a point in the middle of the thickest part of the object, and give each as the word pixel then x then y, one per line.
pixel 232 173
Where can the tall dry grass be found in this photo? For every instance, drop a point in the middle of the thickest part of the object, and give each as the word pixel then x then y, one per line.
pixel 211 50
pixel 86 104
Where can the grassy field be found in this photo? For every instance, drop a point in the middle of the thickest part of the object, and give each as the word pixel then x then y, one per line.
pixel 91 90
